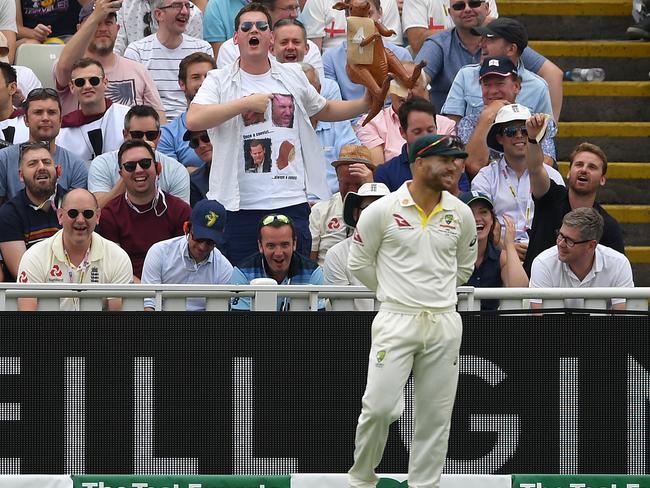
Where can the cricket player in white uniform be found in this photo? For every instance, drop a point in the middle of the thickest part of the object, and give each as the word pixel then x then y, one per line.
pixel 413 247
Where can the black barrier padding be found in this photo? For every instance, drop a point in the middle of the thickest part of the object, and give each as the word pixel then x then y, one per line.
pixel 307 375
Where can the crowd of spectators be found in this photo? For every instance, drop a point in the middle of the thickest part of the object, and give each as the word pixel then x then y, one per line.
pixel 221 141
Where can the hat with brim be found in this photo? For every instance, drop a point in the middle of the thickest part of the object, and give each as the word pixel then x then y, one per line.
pixel 208 220
pixel 497 66
pixel 475 196
pixel 509 29
pixel 507 113
pixel 352 153
pixel 353 200
pixel 436 145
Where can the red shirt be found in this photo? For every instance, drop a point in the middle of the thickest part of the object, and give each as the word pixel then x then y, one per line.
pixel 137 232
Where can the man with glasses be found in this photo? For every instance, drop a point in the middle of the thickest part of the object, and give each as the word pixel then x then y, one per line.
pixel 200 143
pixel 93 129
pixel 129 83
pixel 580 261
pixel 506 181
pixel 422 19
pixel 30 216
pixel 136 21
pixel 144 214
pixel 413 248
pixel 298 166
pixel 162 52
pixel 40 123
pixel 140 122
pixel 500 85
pixel 587 173
pixel 193 258
pixel 75 254
pixel 277 259
pixel 191 72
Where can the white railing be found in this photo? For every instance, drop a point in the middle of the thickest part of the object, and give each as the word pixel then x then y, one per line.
pixel 303 297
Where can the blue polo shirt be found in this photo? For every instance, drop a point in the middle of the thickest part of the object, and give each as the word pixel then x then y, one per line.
pixel 219 19
pixel 445 55
pixel 394 172
pixel 335 60
pixel 172 144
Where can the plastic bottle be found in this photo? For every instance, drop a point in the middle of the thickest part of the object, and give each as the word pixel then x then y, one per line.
pixel 585 74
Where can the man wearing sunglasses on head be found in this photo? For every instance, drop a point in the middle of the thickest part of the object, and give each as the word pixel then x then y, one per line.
pixel 298 165
pixel 162 52
pixel 506 181
pixel 140 122
pixel 144 214
pixel 578 260
pixel 193 258
pixel 75 254
pixel 129 82
pixel 93 129
pixel 30 216
pixel 277 259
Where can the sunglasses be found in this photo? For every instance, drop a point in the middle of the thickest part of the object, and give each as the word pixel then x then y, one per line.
pixel 260 24
pixel 512 131
pixel 194 141
pixel 458 6
pixel 150 135
pixel 269 219
pixel 93 80
pixel 129 166
pixel 446 142
pixel 73 213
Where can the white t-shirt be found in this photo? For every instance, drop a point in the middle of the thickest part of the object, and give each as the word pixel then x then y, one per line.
pixel 280 174
pixel 8 15
pixel 162 64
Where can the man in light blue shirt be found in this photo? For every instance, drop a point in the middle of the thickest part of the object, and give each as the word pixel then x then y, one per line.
pixel 219 21
pixel 501 37
pixel 193 258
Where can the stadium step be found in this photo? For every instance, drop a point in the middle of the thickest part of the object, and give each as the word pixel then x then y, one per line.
pixel 614 101
pixel 622 141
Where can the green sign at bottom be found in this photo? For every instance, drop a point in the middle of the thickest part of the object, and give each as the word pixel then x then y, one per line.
pixel 186 481
pixel 580 481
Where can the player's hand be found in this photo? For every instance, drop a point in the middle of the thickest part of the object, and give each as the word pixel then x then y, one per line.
pixel 535 124
pixel 41 32
pixel 522 248
pixel 257 102
pixel 361 172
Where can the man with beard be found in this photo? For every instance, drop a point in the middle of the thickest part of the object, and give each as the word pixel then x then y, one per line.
pixel 41 123
pixel 191 72
pixel 129 83
pixel 587 172
pixel 162 52
pixel 31 216
pixel 75 254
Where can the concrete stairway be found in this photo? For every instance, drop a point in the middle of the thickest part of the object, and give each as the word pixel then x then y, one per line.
pixel 614 114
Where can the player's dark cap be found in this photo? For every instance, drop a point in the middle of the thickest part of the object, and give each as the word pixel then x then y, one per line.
pixel 509 29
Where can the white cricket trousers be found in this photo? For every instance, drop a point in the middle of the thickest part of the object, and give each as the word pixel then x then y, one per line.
pixel 427 343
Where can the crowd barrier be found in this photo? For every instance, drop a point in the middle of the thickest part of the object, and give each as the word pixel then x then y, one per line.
pixel 268 393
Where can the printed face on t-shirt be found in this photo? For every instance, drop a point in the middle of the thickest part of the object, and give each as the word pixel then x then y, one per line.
pixel 258 158
pixel 282 110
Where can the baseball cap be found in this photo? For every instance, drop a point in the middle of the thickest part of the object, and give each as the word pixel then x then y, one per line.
pixel 475 196
pixel 507 113
pixel 4 49
pixel 208 220
pixel 509 29
pixel 188 134
pixel 352 153
pixel 87 9
pixel 353 200
pixel 498 65
pixel 436 145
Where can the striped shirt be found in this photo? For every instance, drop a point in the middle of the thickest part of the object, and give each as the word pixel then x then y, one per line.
pixel 162 64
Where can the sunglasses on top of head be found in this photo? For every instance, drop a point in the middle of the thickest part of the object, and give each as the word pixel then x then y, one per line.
pixel 458 6
pixel 261 25
pixel 93 80
pixel 130 166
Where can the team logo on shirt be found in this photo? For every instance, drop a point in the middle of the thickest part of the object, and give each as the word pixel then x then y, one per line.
pixel 401 221
pixel 56 272
pixel 23 277
pixel 94 275
pixel 381 355
pixel 448 222
pixel 334 224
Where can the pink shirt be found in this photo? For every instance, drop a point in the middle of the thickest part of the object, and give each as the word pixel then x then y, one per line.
pixel 129 83
pixel 384 129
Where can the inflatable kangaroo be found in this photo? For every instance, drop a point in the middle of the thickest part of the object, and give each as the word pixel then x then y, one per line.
pixel 376 77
